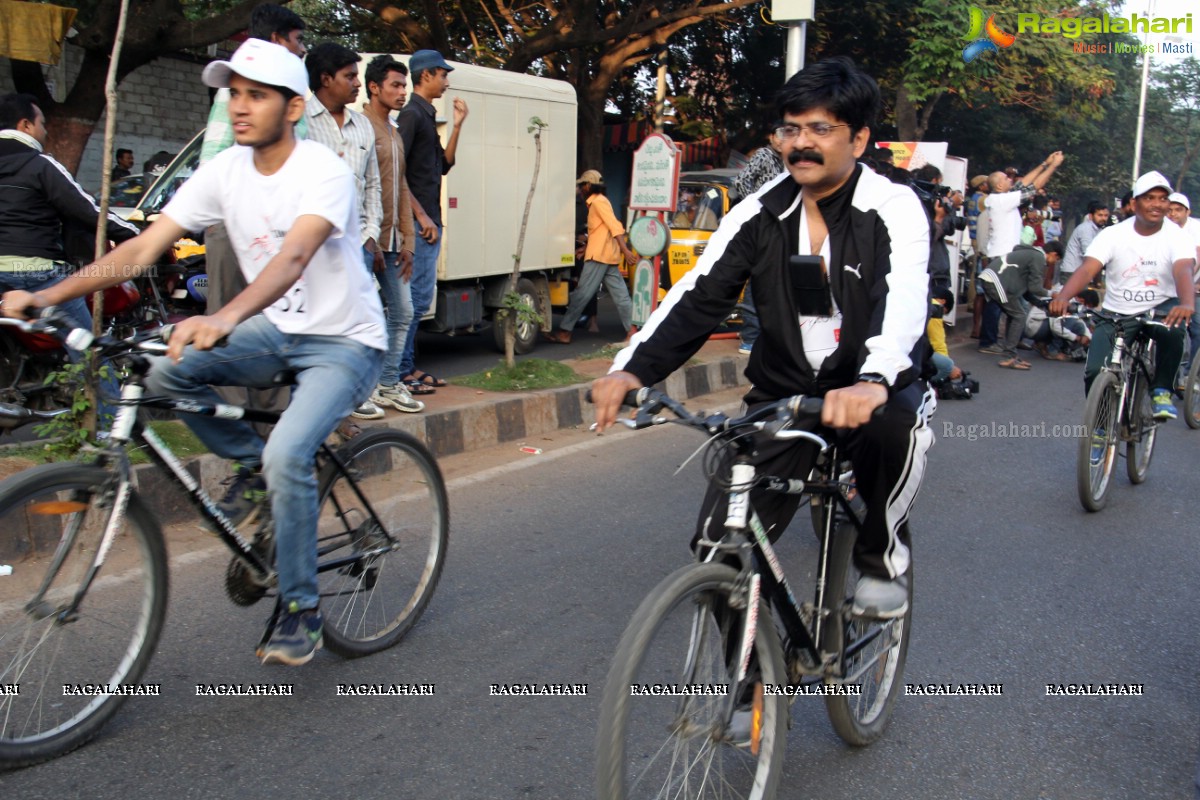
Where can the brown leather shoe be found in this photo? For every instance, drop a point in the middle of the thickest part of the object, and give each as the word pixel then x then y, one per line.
pixel 558 337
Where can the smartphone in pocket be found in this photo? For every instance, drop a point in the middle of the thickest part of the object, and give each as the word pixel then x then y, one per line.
pixel 810 286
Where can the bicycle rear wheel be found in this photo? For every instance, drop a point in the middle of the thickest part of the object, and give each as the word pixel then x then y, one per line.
pixel 1191 394
pixel 666 743
pixel 380 553
pixel 65 664
pixel 1098 446
pixel 873 651
pixel 1142 429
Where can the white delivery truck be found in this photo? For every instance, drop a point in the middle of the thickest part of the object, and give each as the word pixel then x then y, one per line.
pixel 483 198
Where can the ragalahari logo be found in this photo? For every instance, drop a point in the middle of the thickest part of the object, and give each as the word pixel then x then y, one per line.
pixel 984 37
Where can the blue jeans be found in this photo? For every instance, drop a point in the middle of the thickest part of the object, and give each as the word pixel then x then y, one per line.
pixel 334 374
pixel 421 287
pixel 944 367
pixel 77 310
pixel 750 326
pixel 397 295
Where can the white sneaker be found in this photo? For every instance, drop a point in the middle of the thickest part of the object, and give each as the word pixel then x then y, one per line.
pixel 397 397
pixel 368 410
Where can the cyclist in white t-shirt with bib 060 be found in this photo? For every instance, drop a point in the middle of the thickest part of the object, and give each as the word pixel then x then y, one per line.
pixel 1147 267
pixel 291 211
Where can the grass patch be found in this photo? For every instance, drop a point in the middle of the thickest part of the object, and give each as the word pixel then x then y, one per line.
pixel 527 375
pixel 608 352
pixel 178 437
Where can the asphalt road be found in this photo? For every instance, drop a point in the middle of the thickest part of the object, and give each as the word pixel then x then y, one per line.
pixel 550 554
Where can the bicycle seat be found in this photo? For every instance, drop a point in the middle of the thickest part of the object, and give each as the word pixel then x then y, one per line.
pixel 285 377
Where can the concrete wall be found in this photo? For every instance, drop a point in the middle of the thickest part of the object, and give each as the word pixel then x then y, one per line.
pixel 160 107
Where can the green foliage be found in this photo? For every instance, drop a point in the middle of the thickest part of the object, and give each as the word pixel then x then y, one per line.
pixel 514 304
pixel 66 431
pixel 526 375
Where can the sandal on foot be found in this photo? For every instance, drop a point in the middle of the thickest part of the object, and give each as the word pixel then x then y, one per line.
pixel 415 386
pixel 1015 363
pixel 427 378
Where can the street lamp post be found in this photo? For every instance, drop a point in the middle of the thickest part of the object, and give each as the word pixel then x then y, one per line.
pixel 796 14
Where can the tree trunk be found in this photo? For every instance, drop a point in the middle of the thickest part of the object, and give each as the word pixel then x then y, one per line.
pixel 590 115
pixel 906 117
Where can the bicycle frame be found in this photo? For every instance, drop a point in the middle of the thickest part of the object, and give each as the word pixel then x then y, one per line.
pixel 747 537
pixel 1126 364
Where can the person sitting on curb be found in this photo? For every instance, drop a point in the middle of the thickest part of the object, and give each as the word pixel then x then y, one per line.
pixel 1007 280
pixel 941 305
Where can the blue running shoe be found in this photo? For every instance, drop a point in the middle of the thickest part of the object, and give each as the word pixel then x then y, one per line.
pixel 1161 403
pixel 297 636
pixel 1099 444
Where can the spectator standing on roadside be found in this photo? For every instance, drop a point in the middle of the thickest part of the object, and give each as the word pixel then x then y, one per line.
pixel 977 225
pixel 602 260
pixel 1005 199
pixel 333 79
pixel 1081 239
pixel 427 162
pixel 387 88
pixel 765 166
pixel 1178 212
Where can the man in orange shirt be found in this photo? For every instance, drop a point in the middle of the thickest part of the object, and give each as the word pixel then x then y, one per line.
pixel 601 260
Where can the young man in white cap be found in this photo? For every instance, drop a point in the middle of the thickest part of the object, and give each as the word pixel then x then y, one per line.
pixel 1147 267
pixel 292 216
pixel 1180 212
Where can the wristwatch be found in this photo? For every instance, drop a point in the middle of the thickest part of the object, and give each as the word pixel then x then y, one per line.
pixel 874 377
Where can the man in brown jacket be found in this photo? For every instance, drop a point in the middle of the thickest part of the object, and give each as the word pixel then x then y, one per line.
pixel 387 88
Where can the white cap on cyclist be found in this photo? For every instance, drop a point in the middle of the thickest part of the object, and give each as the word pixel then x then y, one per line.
pixel 264 62
pixel 1181 198
pixel 1151 180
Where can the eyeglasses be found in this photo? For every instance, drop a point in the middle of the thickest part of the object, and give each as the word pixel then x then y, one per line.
pixel 818 130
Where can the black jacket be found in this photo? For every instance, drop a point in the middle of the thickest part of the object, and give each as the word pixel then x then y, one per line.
pixel 38 197
pixel 879 275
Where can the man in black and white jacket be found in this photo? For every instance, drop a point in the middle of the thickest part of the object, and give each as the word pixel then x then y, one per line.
pixel 870 351
pixel 38 200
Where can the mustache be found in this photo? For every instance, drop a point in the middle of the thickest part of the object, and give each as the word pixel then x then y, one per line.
pixel 805 155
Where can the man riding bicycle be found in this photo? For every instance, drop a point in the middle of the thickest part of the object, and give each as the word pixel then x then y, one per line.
pixel 1147 267
pixel 854 333
pixel 292 216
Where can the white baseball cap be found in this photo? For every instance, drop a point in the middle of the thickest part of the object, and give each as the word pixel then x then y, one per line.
pixel 1181 198
pixel 264 62
pixel 1151 180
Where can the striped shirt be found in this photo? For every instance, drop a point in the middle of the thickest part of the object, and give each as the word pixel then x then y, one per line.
pixel 354 143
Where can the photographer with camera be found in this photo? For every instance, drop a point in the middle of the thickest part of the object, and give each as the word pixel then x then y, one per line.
pixel 1010 278
pixel 944 221
pixel 1004 202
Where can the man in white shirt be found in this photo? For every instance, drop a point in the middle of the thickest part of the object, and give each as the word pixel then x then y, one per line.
pixel 290 210
pixel 1147 267
pixel 333 78
pixel 1005 199
pixel 1081 239
pixel 1179 213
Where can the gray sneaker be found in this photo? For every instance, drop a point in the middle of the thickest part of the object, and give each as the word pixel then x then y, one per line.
pixel 368 410
pixel 396 397
pixel 877 598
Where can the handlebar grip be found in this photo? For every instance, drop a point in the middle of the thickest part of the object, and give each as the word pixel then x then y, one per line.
pixel 633 398
pixel 167 330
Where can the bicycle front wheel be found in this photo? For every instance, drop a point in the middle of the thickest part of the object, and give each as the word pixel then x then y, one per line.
pixel 1142 430
pixel 673 722
pixel 68 662
pixel 381 541
pixel 1098 445
pixel 1191 394
pixel 872 651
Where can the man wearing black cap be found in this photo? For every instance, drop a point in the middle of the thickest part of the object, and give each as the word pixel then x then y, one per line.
pixel 427 161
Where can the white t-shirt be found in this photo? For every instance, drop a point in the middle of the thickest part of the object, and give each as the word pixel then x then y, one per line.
pixel 335 295
pixel 1139 270
pixel 1004 223
pixel 820 334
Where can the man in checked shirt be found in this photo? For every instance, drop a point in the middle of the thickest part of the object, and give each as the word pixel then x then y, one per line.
pixel 333 78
